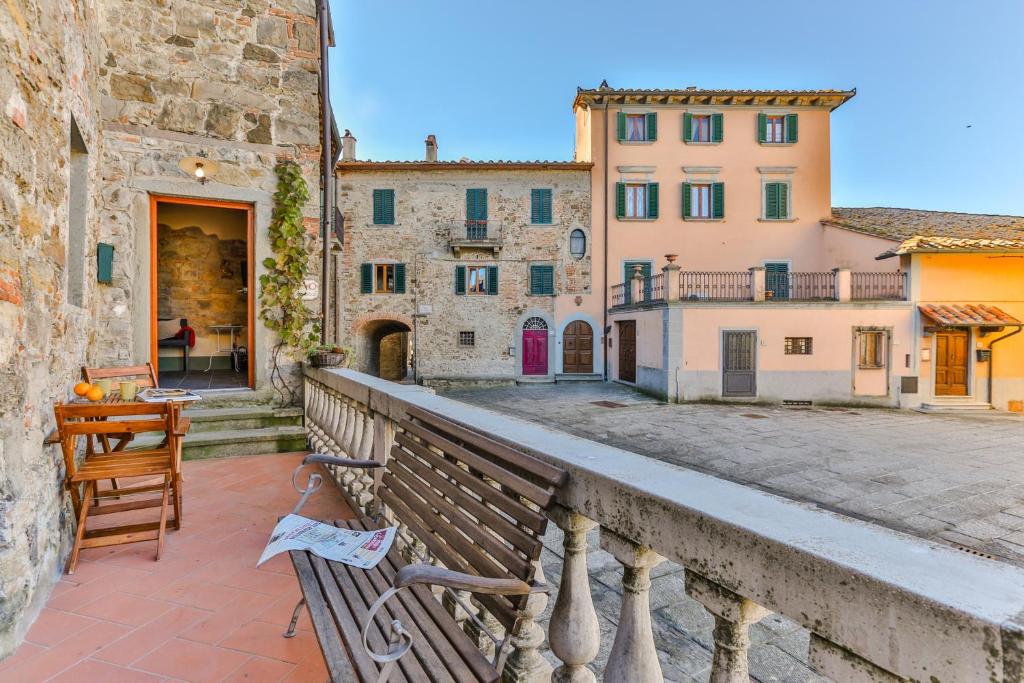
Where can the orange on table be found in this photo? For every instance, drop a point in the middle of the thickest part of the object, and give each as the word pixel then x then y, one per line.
pixel 82 388
pixel 94 394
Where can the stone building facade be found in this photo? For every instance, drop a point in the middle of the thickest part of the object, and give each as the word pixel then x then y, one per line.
pixel 453 333
pixel 101 100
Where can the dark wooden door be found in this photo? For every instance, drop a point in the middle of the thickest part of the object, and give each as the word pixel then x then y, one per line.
pixel 739 363
pixel 627 351
pixel 951 363
pixel 578 348
pixel 535 352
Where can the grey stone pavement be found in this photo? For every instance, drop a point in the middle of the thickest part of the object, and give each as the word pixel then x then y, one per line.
pixel 952 479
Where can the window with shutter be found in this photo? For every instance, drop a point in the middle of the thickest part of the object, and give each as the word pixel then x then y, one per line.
pixel 652 200
pixel 476 279
pixel 620 120
pixel 620 200
pixel 638 127
pixel 492 280
pixel 652 126
pixel 687 127
pixel 717 128
pixel 540 206
pixel 366 278
pixel 383 207
pixel 699 200
pixel 776 201
pixel 718 200
pixel 700 128
pixel 687 200
pixel 460 279
pixel 634 200
pixel 386 278
pixel 542 280
pixel 399 278
pixel 476 204
pixel 790 127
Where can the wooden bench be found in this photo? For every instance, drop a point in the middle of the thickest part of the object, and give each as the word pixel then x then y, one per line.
pixel 476 510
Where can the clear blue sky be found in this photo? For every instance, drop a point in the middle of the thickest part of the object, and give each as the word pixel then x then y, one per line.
pixel 497 79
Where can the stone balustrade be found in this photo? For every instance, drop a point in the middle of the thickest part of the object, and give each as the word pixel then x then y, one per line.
pixel 880 606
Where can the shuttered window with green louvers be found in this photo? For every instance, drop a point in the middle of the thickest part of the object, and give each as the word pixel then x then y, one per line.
pixel 492 280
pixel 718 200
pixel 460 279
pixel 399 278
pixel 542 280
pixel 383 207
pixel 776 201
pixel 366 278
pixel 540 206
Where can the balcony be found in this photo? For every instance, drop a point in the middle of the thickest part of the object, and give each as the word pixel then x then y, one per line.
pixel 867 603
pixel 474 234
pixel 758 286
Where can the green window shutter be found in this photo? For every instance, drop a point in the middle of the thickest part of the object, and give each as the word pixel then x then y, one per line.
pixel 717 128
pixel 771 200
pixel 476 204
pixel 492 279
pixel 378 207
pixel 620 200
pixel 783 201
pixel 540 206
pixel 389 207
pixel 790 127
pixel 399 278
pixel 366 278
pixel 621 125
pixel 687 127
pixel 687 203
pixel 460 279
pixel 549 279
pixel 104 263
pixel 542 280
pixel 652 126
pixel 383 207
pixel 762 127
pixel 652 200
pixel 534 280
pixel 718 200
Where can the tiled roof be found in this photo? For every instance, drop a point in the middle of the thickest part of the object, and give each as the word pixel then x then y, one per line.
pixel 902 224
pixel 969 315
pixel 695 95
pixel 362 164
pixel 928 243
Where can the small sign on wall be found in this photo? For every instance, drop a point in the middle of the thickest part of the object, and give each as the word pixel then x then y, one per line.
pixel 310 290
pixel 105 263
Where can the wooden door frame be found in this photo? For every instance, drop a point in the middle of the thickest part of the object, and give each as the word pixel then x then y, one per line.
pixel 968 362
pixel 565 331
pixel 250 249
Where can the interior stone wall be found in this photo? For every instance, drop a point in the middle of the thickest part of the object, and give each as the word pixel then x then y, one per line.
pixel 48 76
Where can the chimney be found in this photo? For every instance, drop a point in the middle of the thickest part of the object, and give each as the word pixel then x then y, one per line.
pixel 348 146
pixel 431 148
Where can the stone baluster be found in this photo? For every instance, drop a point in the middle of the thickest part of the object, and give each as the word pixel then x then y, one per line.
pixel 350 426
pixel 733 615
pixel 476 632
pixel 525 664
pixel 330 420
pixel 573 631
pixel 633 656
pixel 357 484
pixel 365 497
pixel 339 418
pixel 313 424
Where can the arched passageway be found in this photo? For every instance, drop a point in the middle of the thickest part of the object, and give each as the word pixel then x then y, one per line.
pixel 384 349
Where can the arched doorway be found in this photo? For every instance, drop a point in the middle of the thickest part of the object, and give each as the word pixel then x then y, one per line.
pixel 384 349
pixel 578 348
pixel 535 346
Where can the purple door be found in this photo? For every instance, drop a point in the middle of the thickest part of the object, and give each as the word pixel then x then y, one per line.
pixel 535 352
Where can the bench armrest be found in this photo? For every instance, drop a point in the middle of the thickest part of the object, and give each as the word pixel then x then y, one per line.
pixel 412 574
pixel 325 459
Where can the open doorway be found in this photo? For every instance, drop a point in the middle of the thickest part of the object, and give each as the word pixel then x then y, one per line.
pixel 385 349
pixel 202 293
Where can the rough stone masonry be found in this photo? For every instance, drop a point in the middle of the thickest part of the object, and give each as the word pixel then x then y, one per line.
pixel 100 101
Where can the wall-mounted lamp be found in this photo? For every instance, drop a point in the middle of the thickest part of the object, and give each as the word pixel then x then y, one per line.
pixel 199 166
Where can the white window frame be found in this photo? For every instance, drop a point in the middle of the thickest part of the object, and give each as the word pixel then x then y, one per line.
pixel 695 189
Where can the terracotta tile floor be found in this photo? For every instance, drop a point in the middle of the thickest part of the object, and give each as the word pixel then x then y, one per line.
pixel 204 612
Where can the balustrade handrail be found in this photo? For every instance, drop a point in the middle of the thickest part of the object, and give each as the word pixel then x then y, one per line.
pixel 881 286
pixel 473 230
pixel 872 598
pixel 715 285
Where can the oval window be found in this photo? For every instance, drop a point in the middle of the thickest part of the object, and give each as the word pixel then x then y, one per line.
pixel 577 243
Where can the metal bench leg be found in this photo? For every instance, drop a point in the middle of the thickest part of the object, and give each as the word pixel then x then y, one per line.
pixel 290 633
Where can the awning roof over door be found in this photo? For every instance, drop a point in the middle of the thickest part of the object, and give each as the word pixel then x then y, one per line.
pixel 967 315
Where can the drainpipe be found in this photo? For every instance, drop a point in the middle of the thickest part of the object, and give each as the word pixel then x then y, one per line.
pixel 326 164
pixel 992 356
pixel 604 309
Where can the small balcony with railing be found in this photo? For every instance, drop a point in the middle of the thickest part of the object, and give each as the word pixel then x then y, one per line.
pixel 758 285
pixel 475 234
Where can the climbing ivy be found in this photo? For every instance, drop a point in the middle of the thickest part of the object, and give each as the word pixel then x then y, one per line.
pixel 281 307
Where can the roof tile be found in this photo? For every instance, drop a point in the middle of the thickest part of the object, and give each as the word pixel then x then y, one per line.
pixel 902 224
pixel 969 315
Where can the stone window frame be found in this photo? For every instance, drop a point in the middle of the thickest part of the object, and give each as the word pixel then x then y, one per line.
pixel 777 174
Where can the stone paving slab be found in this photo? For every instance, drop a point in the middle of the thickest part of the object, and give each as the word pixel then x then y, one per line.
pixel 947 478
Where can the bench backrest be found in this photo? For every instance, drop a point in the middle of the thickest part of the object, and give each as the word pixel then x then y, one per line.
pixel 474 503
pixel 143 374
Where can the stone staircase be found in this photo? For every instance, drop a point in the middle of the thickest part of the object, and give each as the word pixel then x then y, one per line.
pixel 251 429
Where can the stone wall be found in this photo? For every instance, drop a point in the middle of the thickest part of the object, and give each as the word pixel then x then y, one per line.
pixel 44 338
pixel 429 202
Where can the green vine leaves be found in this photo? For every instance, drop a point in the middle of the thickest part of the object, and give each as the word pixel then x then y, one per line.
pixel 281 305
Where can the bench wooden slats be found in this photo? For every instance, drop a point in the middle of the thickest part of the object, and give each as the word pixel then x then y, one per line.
pixel 486 467
pixel 532 519
pixel 477 507
pixel 526 544
pixel 551 475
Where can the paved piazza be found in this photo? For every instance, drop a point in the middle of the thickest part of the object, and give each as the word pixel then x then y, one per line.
pixel 956 479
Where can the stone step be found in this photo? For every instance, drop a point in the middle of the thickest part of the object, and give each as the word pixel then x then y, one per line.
pixel 580 377
pixel 242 417
pixel 228 442
pixel 955 407
pixel 535 380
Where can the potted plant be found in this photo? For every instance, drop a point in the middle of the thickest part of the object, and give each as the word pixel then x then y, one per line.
pixel 328 356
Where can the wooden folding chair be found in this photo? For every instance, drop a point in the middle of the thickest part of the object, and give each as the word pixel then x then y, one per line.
pixel 145 375
pixel 82 481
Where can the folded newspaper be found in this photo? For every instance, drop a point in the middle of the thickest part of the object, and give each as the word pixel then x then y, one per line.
pixel 363 549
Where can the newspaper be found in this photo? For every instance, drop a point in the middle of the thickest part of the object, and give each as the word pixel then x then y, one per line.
pixel 363 549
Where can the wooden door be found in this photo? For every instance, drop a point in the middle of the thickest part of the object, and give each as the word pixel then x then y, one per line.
pixel 535 352
pixel 627 350
pixel 951 363
pixel 739 363
pixel 578 348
